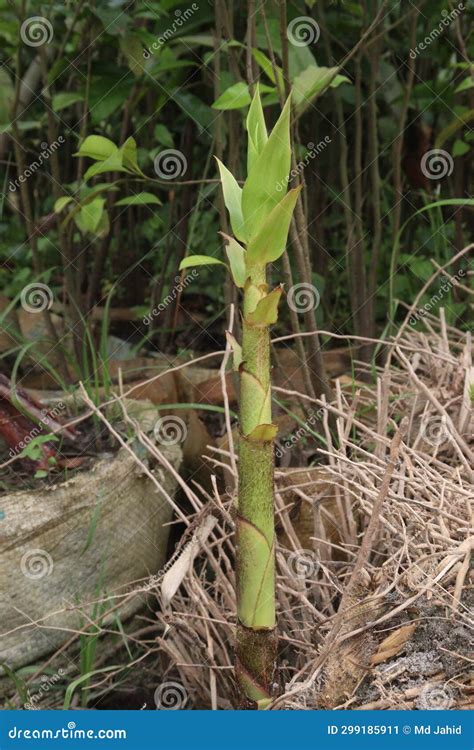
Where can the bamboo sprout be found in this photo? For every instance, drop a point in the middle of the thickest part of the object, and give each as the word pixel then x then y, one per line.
pixel 260 215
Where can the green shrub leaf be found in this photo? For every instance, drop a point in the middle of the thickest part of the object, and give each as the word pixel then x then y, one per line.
pixel 199 260
pixel 89 217
pixel 97 147
pixel 66 99
pixel 113 163
pixel 140 199
pixel 235 97
pixel 309 84
pixel 61 203
pixel 129 156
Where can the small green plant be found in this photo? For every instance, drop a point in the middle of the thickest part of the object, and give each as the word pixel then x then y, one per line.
pixel 260 216
pixel 34 451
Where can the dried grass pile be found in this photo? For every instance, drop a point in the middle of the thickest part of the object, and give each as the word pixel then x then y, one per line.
pixel 374 546
pixel 374 549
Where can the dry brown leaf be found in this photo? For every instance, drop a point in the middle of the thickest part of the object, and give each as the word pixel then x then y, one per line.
pixel 393 644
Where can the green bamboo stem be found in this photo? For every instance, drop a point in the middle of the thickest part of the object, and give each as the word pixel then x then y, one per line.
pixel 260 215
pixel 256 639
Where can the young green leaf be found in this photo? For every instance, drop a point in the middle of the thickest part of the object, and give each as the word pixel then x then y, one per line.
pixel 234 97
pixel 236 255
pixel 233 201
pixel 199 260
pixel 132 48
pixel 262 189
pixel 266 312
pixel 65 99
pixel 163 135
pixel 256 129
pixel 113 163
pixel 88 218
pixel 129 156
pixel 460 147
pixel 309 84
pixel 103 227
pixel 140 199
pixel 468 83
pixel 61 203
pixel 268 68
pixel 236 351
pixel 270 241
pixel 97 147
pixel 263 433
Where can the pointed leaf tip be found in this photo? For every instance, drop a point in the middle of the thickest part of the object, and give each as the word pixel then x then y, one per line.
pixel 270 169
pixel 199 260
